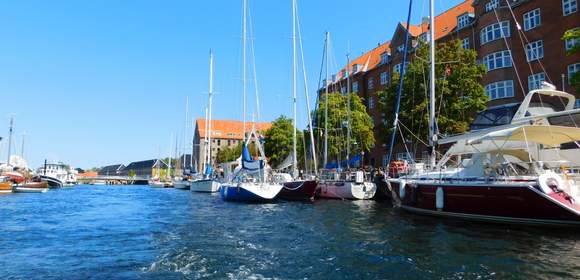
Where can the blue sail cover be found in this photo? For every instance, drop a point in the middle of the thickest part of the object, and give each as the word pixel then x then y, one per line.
pixel 352 162
pixel 208 170
pixel 248 163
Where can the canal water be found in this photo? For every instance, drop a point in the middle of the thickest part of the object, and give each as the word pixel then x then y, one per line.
pixel 137 232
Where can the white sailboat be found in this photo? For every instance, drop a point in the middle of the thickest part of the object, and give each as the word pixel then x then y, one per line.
pixel 208 183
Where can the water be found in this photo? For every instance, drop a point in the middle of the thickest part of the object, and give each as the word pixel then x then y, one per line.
pixel 137 232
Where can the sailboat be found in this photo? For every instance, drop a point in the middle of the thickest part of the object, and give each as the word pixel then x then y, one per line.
pixel 345 185
pixel 208 183
pixel 297 188
pixel 251 181
pixel 496 174
pixel 181 180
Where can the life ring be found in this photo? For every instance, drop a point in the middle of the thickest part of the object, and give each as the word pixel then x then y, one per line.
pixel 548 180
pixel 402 184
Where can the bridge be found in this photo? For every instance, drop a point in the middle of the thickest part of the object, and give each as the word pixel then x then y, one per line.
pixel 114 180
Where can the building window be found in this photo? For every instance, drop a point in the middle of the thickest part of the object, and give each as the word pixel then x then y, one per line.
pixel 398 67
pixel 384 58
pixel 535 81
pixel 495 31
pixel 219 142
pixel 501 89
pixel 573 69
pixel 424 37
pixel 371 102
pixel 570 43
pixel 355 87
pixel 498 60
pixel 343 90
pixel 535 50
pixel 532 19
pixel 371 83
pixel 491 5
pixel 401 48
pixel 569 7
pixel 462 20
pixel 465 43
pixel 384 78
pixel 355 68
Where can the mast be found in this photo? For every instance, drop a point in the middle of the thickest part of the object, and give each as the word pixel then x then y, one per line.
pixel 168 175
pixel 22 147
pixel 205 144
pixel 244 35
pixel 348 111
pixel 432 124
pixel 186 133
pixel 326 104
pixel 209 106
pixel 294 153
pixel 11 129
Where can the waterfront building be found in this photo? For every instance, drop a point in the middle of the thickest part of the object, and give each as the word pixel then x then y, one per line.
pixel 153 168
pixel 111 170
pixel 518 57
pixel 225 134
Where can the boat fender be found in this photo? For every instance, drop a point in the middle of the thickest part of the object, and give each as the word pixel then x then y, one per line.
pixel 439 199
pixel 402 184
pixel 550 182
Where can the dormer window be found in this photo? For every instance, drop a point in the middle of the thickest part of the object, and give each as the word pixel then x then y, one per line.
pixel 424 37
pixel 355 68
pixel 385 58
pixel 462 21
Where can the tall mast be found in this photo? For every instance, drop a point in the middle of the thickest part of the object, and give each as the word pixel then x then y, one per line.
pixel 209 106
pixel 244 28
pixel 10 139
pixel 22 147
pixel 348 111
pixel 186 133
pixel 205 144
pixel 168 175
pixel 294 153
pixel 432 124
pixel 326 104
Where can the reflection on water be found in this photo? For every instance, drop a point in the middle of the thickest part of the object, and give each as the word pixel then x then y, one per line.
pixel 140 232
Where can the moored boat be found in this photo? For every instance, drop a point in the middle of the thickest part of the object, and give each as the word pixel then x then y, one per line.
pixel 347 188
pixel 300 190
pixel 182 184
pixel 52 181
pixel 250 192
pixel 205 185
pixel 5 185
pixel 31 187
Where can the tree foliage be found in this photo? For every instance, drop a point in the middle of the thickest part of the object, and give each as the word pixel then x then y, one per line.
pixel 230 154
pixel 279 141
pixel 459 95
pixel 573 34
pixel 362 136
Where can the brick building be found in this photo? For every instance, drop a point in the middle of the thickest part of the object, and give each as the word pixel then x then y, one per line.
pixel 518 56
pixel 225 134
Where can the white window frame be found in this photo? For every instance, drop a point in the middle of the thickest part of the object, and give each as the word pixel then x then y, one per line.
pixel 384 78
pixel 491 5
pixel 371 102
pixel 498 60
pixel 462 21
pixel 572 69
pixel 371 83
pixel 569 7
pixel 493 89
pixel 496 30
pixel 535 50
pixel 532 19
pixel 355 86
pixel 570 43
pixel 384 58
pixel 398 69
pixel 465 43
pixel 535 80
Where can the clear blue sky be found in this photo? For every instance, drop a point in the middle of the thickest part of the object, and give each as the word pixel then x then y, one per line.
pixel 102 82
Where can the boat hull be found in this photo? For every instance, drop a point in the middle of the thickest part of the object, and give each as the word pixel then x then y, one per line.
pixel 52 182
pixel 519 204
pixel 205 186
pixel 347 190
pixel 299 190
pixel 249 192
pixel 5 187
pixel 182 185
pixel 19 189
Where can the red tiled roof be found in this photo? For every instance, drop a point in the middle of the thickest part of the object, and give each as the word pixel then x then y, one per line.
pixel 227 129
pixel 447 21
pixel 368 60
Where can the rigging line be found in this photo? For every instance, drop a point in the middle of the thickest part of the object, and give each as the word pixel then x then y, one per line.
pixel 400 87
pixel 511 56
pixel 252 52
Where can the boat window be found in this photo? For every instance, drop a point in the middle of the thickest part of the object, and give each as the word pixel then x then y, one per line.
pixel 494 117
pixel 571 120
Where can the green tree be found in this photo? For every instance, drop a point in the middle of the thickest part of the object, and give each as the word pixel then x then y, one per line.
pixel 233 153
pixel 573 34
pixel 132 173
pixel 279 141
pixel 361 125
pixel 458 93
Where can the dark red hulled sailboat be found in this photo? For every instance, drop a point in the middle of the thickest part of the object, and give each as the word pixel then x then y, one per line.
pixel 300 190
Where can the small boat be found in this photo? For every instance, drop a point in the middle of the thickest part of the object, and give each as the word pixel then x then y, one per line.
pixel 31 187
pixel 156 183
pixel 205 185
pixel 347 188
pixel 183 184
pixel 300 190
pixel 5 185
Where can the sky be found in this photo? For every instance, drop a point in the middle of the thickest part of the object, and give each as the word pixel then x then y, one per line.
pixel 98 82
